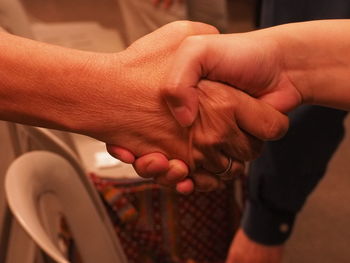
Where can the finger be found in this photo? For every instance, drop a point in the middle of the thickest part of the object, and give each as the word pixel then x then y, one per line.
pixel 242 146
pixel 204 181
pixel 180 89
pixel 151 165
pixel 191 63
pixel 185 187
pixel 217 127
pixel 213 150
pixel 120 153
pixel 215 162
pixel 176 173
pixel 229 169
pixel 253 116
pixel 237 169
pixel 260 119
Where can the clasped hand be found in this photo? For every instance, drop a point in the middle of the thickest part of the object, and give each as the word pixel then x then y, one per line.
pixel 229 124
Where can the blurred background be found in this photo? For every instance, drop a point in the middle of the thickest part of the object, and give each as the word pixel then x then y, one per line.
pixel 168 225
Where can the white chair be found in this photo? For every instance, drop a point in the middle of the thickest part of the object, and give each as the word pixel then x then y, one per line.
pixel 29 138
pixel 42 188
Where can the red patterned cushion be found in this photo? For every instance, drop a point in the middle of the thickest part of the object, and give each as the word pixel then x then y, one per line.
pixel 157 225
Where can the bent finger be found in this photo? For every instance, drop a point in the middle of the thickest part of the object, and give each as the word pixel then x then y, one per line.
pixel 260 119
pixel 176 173
pixel 151 165
pixel 185 187
pixel 216 162
pixel 242 146
pixel 188 67
pixel 205 181
pixel 234 170
pixel 120 153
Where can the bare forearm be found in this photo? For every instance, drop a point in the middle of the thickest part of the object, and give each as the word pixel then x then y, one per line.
pixel 316 57
pixel 42 84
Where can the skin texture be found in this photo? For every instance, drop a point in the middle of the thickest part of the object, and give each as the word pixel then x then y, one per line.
pixel 220 126
pixel 95 94
pixel 116 98
pixel 92 93
pixel 254 69
pixel 284 66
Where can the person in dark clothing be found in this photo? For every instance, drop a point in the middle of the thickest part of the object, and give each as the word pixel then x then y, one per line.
pixel 289 169
pixel 287 172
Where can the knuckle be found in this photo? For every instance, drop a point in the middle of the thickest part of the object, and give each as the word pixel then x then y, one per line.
pixel 194 41
pixel 182 26
pixel 192 28
pixel 170 89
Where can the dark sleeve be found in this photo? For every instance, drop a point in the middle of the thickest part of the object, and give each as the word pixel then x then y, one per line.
pixel 288 170
pixel 276 12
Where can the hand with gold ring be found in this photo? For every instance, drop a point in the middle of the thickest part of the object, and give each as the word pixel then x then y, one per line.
pixel 231 124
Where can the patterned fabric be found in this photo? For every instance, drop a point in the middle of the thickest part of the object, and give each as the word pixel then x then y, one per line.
pixel 157 225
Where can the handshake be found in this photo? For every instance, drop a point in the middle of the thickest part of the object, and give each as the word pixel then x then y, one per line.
pixel 184 104
pixel 200 104
pixel 197 104
pixel 191 115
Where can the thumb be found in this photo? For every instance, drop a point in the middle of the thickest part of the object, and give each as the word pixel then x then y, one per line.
pixel 180 88
pixel 260 119
pixel 183 104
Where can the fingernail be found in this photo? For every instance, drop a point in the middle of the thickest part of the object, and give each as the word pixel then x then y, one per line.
pixel 183 115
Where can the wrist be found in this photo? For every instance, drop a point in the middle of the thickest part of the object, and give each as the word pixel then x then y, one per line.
pixel 243 249
pixel 316 60
pixel 98 94
pixel 293 55
pixel 272 83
